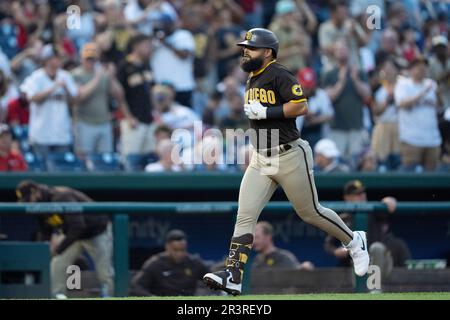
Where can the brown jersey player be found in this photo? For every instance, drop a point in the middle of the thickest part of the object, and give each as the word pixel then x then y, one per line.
pixel 273 100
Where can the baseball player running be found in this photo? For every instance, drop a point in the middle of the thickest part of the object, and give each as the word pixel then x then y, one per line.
pixel 273 99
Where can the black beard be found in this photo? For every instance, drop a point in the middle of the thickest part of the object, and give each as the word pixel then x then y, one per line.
pixel 252 64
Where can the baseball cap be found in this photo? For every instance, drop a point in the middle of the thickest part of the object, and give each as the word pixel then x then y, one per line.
pixel 354 187
pixel 418 60
pixel 166 18
pixel 89 50
pixel 175 235
pixel 4 128
pixel 439 40
pixel 327 148
pixel 307 78
pixel 285 6
pixel 24 189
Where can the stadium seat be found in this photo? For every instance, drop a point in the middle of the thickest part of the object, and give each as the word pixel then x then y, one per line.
pixel 35 163
pixel 24 146
pixel 106 162
pixel 64 162
pixel 20 133
pixel 394 162
pixel 137 162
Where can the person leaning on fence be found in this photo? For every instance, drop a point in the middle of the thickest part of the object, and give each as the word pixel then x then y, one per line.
pixel 72 233
pixel 385 249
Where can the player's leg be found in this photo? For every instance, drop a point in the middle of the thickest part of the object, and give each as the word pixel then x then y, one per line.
pixel 255 191
pixel 58 267
pixel 297 180
pixel 100 250
pixel 381 257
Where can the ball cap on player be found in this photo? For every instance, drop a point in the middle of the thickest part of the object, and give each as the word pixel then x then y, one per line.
pixel 89 51
pixel 175 235
pixel 327 148
pixel 439 40
pixel 260 38
pixel 307 78
pixel 354 187
pixel 24 190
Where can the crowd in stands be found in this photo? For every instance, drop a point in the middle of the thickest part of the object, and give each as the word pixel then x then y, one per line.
pixel 108 88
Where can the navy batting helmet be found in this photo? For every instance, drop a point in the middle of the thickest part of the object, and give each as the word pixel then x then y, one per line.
pixel 261 38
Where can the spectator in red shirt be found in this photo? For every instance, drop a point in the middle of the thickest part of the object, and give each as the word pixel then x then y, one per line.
pixel 18 111
pixel 10 159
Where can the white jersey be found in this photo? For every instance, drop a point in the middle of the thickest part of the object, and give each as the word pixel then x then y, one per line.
pixel 50 121
pixel 418 125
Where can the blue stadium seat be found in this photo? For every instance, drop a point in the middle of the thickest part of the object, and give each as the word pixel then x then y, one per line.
pixel 20 133
pixel 106 162
pixel 137 162
pixel 65 162
pixel 24 146
pixel 35 163
pixel 394 161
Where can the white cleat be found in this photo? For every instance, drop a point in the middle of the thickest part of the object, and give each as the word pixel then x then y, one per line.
pixel 359 253
pixel 221 280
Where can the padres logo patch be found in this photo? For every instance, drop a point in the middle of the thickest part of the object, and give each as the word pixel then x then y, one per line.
pixel 297 90
pixel 248 35
pixel 55 220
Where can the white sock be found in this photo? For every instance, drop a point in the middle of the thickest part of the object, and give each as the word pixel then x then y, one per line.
pixel 352 243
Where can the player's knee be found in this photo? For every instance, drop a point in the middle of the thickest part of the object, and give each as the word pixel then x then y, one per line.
pixel 307 218
pixel 308 215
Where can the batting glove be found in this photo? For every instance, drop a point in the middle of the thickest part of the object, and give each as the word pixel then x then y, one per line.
pixel 255 110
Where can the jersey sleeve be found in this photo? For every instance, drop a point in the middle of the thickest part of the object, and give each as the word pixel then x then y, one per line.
pixel 401 91
pixel 72 86
pixel 30 86
pixel 289 88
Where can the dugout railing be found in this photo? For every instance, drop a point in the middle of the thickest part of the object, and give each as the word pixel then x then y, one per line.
pixel 120 212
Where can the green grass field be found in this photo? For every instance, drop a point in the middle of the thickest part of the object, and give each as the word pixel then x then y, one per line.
pixel 322 296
